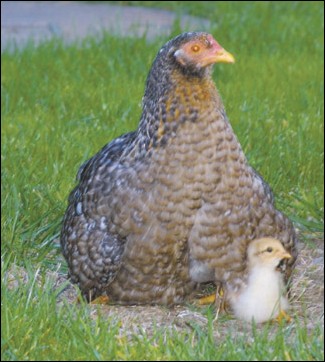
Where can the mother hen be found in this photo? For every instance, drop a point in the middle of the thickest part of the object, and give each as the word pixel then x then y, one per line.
pixel 174 203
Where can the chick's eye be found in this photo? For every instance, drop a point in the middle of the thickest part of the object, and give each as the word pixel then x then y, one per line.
pixel 195 48
pixel 269 249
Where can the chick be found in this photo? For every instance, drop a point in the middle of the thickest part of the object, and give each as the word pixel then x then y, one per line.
pixel 263 298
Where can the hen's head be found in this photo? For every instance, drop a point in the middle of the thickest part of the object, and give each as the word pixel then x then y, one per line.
pixel 199 51
pixel 191 53
pixel 187 56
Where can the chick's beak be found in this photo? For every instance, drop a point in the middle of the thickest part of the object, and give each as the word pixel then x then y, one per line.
pixel 285 255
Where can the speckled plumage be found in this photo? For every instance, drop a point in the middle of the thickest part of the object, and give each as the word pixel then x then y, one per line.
pixel 174 203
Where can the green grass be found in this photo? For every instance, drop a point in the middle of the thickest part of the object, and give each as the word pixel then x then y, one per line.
pixel 35 328
pixel 59 105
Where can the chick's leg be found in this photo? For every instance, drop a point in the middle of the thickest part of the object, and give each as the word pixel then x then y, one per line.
pixel 283 316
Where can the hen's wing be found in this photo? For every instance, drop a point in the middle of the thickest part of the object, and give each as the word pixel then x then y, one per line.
pixel 91 249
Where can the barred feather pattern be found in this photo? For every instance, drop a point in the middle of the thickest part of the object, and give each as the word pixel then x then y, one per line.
pixel 172 204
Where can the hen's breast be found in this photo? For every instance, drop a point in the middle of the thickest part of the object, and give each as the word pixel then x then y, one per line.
pixel 158 212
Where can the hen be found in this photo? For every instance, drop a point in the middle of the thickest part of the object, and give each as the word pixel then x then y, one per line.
pixel 174 203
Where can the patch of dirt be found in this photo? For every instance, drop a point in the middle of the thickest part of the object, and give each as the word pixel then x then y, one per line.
pixel 307 301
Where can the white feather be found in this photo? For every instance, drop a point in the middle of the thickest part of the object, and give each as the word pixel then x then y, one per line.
pixel 263 297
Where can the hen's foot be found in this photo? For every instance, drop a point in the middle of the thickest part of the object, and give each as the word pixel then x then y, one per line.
pixel 208 299
pixel 103 299
pixel 218 298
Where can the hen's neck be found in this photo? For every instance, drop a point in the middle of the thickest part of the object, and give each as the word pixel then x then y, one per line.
pixel 178 98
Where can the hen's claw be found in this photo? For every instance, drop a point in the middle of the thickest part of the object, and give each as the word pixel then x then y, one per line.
pixel 103 299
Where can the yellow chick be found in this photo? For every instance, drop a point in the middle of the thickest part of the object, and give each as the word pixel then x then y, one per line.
pixel 263 298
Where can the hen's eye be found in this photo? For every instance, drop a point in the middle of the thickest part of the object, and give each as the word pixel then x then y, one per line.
pixel 195 48
pixel 269 249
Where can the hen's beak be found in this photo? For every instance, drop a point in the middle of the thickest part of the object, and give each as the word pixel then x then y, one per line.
pixel 222 56
pixel 217 55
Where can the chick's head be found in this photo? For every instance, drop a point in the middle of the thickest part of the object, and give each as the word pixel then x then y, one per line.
pixel 267 252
